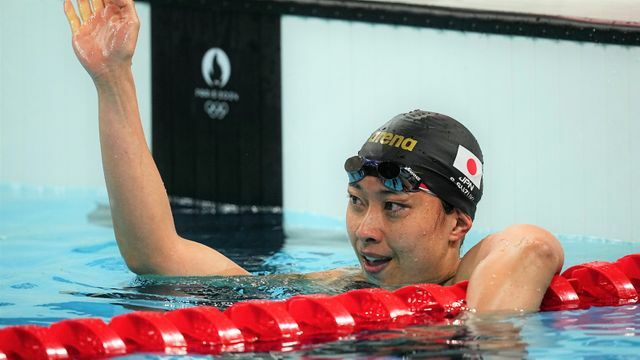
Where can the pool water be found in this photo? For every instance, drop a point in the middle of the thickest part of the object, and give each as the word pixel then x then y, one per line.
pixel 59 260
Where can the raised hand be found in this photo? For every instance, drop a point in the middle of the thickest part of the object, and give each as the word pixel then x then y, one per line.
pixel 104 35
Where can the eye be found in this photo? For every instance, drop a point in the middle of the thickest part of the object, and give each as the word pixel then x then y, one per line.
pixel 394 207
pixel 354 200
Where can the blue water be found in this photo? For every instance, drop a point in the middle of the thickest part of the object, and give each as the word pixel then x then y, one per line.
pixel 59 260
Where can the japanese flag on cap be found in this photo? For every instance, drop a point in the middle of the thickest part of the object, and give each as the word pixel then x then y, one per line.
pixel 469 165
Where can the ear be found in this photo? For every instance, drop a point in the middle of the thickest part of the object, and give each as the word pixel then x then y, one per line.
pixel 462 225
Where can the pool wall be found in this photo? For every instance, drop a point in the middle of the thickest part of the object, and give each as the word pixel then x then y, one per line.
pixel 557 119
pixel 48 104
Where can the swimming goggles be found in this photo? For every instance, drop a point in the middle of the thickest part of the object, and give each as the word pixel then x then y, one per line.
pixel 394 176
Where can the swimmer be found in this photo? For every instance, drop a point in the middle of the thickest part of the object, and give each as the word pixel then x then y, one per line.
pixel 413 190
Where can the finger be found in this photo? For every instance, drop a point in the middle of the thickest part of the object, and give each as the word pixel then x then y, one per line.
pixel 85 10
pixel 128 6
pixel 98 5
pixel 72 17
pixel 119 3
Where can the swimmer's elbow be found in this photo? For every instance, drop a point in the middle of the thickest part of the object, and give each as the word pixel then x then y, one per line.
pixel 145 257
pixel 181 257
pixel 540 246
pixel 142 262
pixel 137 266
pixel 149 268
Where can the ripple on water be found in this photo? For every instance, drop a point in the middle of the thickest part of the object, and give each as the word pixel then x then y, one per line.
pixel 26 285
pixel 74 256
pixel 109 263
pixel 94 248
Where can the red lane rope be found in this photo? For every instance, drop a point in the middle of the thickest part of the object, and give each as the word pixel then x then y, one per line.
pixel 262 325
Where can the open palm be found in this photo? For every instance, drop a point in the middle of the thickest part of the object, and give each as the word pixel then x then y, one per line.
pixel 104 35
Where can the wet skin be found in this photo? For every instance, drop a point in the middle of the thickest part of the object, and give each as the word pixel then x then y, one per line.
pixel 402 238
pixel 104 35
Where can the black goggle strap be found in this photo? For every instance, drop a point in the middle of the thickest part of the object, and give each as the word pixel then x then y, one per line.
pixel 415 182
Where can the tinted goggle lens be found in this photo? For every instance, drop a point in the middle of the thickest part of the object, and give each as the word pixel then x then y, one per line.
pixel 390 173
pixel 354 163
pixel 388 170
pixel 393 176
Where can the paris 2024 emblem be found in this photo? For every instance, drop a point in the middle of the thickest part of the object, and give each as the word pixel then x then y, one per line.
pixel 216 73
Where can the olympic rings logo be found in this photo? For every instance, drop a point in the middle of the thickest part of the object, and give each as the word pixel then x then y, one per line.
pixel 216 109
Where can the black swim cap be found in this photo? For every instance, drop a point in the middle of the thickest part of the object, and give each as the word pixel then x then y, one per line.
pixel 439 149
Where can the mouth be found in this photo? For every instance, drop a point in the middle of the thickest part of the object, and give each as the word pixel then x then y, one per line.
pixel 374 264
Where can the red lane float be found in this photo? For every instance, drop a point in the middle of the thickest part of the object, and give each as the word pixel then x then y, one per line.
pixel 431 303
pixel 375 309
pixel 321 316
pixel 263 320
pixel 261 325
pixel 630 266
pixel 602 284
pixel 88 338
pixel 31 342
pixel 560 295
pixel 149 331
pixel 207 330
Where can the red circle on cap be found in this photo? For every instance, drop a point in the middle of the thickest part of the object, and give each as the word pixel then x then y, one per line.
pixel 472 167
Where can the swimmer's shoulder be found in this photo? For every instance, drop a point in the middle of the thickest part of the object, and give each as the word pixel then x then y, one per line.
pixel 512 239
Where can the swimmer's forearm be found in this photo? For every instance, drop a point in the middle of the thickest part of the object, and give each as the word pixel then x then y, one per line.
pixel 142 219
pixel 139 205
pixel 104 40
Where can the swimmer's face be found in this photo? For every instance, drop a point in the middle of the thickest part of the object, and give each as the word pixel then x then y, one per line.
pixel 402 238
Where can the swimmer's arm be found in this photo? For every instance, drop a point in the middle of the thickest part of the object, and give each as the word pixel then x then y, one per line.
pixel 142 219
pixel 511 270
pixel 141 213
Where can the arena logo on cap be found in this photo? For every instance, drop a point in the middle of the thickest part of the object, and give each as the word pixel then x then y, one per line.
pixel 391 139
pixel 216 71
pixel 469 165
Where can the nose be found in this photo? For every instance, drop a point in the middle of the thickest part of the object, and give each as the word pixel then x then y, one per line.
pixel 370 228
